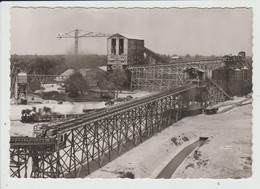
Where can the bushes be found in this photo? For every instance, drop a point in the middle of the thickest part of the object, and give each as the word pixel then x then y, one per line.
pixel 76 85
pixel 116 79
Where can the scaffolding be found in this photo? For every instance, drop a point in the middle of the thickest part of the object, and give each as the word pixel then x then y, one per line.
pixel 166 76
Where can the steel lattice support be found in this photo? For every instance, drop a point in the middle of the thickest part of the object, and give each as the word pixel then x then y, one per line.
pixel 18 162
pixel 92 144
pixel 215 94
pixel 32 161
pixel 165 76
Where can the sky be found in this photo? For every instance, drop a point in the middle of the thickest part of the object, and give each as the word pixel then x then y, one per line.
pixel 165 31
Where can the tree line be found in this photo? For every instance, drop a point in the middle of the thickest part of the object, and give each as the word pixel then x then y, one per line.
pixel 55 64
pixel 189 57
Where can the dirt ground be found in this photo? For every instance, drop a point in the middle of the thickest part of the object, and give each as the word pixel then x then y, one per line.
pixel 226 154
pixel 228 151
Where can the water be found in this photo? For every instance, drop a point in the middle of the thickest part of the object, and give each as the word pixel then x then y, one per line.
pixel 178 159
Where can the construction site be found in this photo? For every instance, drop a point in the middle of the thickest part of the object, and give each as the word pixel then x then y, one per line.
pixel 166 125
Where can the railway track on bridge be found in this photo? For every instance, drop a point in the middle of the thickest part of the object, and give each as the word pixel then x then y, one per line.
pixel 74 146
pixel 77 121
pixel 117 108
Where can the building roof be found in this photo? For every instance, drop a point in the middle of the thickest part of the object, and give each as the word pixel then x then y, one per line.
pixel 126 36
pixel 69 72
pixel 104 68
pixel 83 71
pixel 175 57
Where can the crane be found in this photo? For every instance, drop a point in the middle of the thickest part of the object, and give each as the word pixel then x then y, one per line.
pixel 76 34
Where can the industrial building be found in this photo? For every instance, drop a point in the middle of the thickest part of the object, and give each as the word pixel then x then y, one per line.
pixel 124 50
pixel 236 77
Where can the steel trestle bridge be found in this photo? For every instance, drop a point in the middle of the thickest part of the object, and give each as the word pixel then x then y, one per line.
pixel 77 147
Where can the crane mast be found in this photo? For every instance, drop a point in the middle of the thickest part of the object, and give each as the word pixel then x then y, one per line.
pixel 76 42
pixel 76 34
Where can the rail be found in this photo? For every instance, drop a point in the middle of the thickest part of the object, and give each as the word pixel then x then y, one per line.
pixel 77 121
pixel 213 61
pixel 74 123
pixel 125 107
pixel 30 141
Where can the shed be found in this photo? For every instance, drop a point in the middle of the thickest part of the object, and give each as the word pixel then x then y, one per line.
pixel 195 73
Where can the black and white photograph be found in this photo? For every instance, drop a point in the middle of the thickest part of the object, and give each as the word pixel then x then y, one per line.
pixel 130 93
